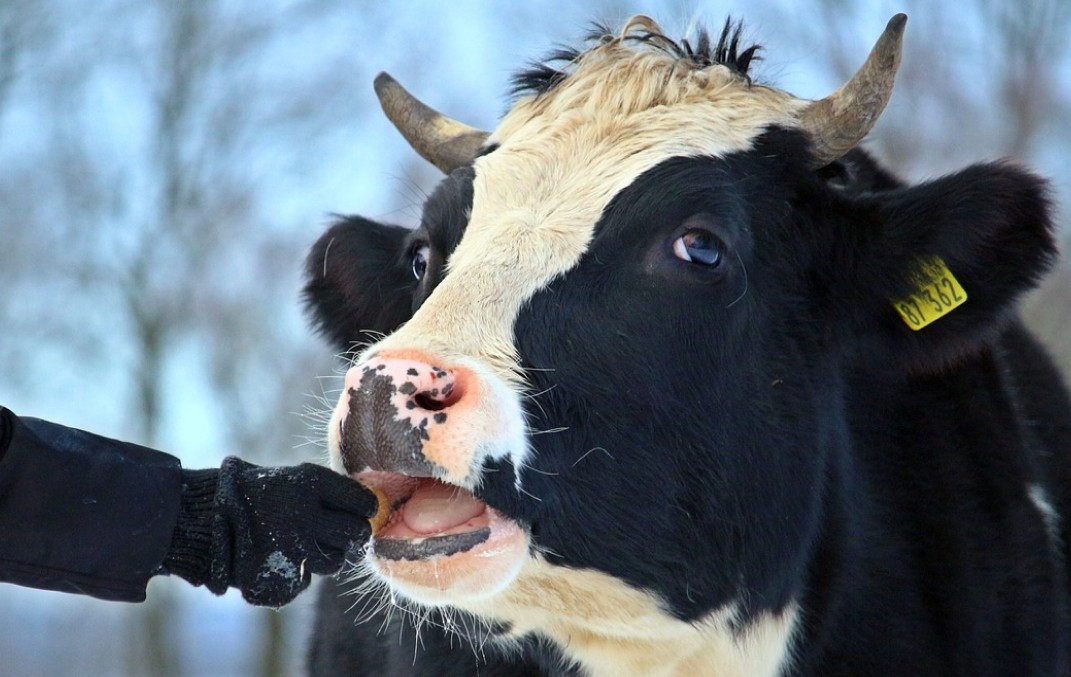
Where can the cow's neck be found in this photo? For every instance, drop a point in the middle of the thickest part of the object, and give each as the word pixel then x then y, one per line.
pixel 611 628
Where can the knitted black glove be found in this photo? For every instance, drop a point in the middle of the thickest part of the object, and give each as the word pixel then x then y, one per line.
pixel 266 530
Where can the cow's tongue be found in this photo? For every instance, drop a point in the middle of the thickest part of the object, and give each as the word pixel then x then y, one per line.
pixel 436 507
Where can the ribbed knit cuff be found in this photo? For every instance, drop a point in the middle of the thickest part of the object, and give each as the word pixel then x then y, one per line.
pixel 190 554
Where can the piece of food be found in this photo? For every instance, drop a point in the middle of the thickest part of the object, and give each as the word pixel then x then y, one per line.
pixel 382 516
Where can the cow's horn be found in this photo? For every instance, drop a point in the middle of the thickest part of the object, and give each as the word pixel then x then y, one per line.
pixel 443 142
pixel 841 120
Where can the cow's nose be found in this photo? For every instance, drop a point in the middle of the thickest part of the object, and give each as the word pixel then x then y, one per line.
pixel 394 405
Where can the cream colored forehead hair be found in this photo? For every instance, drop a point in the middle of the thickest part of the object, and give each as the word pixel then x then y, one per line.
pixel 635 72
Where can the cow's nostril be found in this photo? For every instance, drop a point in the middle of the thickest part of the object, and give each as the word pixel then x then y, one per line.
pixel 428 402
pixel 445 392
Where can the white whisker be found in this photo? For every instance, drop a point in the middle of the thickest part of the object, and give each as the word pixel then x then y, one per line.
pixel 327 250
pixel 533 396
pixel 542 369
pixel 588 453
pixel 743 293
pixel 560 429
pixel 545 550
pixel 528 493
pixel 376 600
pixel 541 472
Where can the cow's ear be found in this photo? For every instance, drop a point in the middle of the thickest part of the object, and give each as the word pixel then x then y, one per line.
pixel 928 273
pixel 358 285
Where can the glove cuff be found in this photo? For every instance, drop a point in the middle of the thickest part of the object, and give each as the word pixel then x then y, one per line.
pixel 190 555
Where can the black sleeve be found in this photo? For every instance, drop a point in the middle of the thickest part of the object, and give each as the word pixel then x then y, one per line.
pixel 83 513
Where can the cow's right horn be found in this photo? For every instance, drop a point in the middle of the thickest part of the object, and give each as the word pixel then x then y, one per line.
pixel 445 143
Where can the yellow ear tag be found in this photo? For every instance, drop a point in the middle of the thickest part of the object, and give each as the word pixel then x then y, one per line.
pixel 938 293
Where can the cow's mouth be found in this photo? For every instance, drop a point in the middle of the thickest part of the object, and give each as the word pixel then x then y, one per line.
pixel 429 518
pixel 441 544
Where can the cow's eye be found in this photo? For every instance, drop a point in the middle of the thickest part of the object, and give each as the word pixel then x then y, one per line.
pixel 420 261
pixel 698 246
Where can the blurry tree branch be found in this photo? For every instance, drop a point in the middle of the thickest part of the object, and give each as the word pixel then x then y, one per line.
pixel 25 29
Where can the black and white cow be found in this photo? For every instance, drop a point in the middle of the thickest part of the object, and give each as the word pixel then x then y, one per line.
pixel 672 381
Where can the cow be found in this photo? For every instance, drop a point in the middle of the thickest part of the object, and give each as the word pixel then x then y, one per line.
pixel 674 379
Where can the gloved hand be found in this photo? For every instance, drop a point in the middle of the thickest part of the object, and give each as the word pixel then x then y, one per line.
pixel 266 530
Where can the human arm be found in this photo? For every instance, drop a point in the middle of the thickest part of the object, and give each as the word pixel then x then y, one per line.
pixel 81 513
pixel 87 514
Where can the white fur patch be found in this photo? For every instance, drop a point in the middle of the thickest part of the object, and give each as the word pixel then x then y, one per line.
pixel 614 629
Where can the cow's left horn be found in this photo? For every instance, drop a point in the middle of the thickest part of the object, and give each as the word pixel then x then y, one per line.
pixel 445 143
pixel 841 120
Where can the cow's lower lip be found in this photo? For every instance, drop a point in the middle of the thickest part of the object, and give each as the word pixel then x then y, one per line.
pixel 429 519
pixel 441 544
pixel 427 548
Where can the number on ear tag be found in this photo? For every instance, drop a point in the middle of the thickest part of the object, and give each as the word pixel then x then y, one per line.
pixel 938 294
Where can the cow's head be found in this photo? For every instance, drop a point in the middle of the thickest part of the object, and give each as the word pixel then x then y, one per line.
pixel 607 404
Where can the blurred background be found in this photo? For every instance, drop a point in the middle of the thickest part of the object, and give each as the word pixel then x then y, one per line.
pixel 164 167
